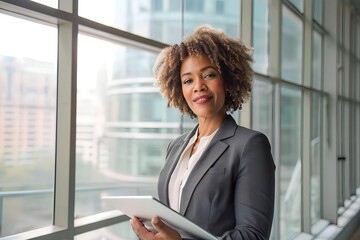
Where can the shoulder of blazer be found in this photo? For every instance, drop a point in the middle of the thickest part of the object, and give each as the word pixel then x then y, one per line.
pixel 178 140
pixel 232 133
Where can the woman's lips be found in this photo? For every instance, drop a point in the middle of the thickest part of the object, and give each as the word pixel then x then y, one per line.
pixel 202 99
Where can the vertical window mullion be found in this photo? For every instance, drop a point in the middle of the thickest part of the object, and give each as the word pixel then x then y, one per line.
pixel 329 148
pixel 246 36
pixel 274 72
pixel 307 73
pixel 66 122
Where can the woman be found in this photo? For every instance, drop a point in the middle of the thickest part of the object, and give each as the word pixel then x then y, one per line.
pixel 220 175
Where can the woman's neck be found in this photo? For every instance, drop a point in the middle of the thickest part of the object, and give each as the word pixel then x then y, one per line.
pixel 207 126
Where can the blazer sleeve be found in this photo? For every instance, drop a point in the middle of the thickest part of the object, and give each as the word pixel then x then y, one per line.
pixel 254 191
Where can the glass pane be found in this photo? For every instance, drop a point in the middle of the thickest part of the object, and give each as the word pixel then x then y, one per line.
pixel 317 61
pixel 315 148
pixel 299 4
pixel 28 71
pixel 222 14
pixel 290 163
pixel 292 46
pixel 151 19
pixel 262 108
pixel 123 124
pixel 318 10
pixel 120 231
pixel 50 3
pixel 260 35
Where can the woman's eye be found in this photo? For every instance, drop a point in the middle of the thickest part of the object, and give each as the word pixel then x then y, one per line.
pixel 209 75
pixel 187 81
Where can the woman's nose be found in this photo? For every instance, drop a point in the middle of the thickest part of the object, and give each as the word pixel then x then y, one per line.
pixel 199 85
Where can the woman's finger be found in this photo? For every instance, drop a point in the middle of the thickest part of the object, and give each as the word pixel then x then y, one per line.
pixel 140 230
pixel 165 230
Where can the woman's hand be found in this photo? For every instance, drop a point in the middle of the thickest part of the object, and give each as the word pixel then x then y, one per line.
pixel 164 232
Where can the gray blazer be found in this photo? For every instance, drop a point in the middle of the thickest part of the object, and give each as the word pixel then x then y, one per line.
pixel 230 191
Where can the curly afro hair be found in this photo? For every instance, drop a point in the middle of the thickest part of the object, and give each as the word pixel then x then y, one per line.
pixel 230 56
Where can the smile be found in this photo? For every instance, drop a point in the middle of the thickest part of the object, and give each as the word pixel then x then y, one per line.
pixel 202 99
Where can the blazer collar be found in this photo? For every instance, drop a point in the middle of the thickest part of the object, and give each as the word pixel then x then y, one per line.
pixel 208 158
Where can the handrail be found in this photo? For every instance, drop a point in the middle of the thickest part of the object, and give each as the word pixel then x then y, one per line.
pixel 10 194
pixel 79 189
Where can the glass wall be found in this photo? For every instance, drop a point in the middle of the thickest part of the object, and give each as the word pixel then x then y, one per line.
pixel 121 124
pixel 290 163
pixel 27 121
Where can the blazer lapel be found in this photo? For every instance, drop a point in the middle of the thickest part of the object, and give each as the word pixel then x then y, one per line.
pixel 169 167
pixel 208 158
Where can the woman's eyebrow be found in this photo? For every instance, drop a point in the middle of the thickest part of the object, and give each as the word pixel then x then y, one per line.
pixel 207 67
pixel 201 70
pixel 185 74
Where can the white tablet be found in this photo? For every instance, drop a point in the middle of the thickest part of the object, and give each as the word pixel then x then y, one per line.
pixel 146 207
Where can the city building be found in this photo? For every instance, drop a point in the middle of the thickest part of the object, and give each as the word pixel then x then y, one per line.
pixel 81 117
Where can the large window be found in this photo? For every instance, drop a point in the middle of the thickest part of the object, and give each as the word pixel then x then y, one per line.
pixel 290 163
pixel 81 118
pixel 27 123
pixel 121 124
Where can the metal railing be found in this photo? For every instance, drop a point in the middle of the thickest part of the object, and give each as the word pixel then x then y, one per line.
pixel 134 188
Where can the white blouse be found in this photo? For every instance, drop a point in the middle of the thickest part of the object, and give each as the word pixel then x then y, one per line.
pixel 184 167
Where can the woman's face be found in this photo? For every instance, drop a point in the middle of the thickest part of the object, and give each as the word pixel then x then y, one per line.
pixel 202 87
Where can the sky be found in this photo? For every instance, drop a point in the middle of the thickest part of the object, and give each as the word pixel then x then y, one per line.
pixel 21 38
